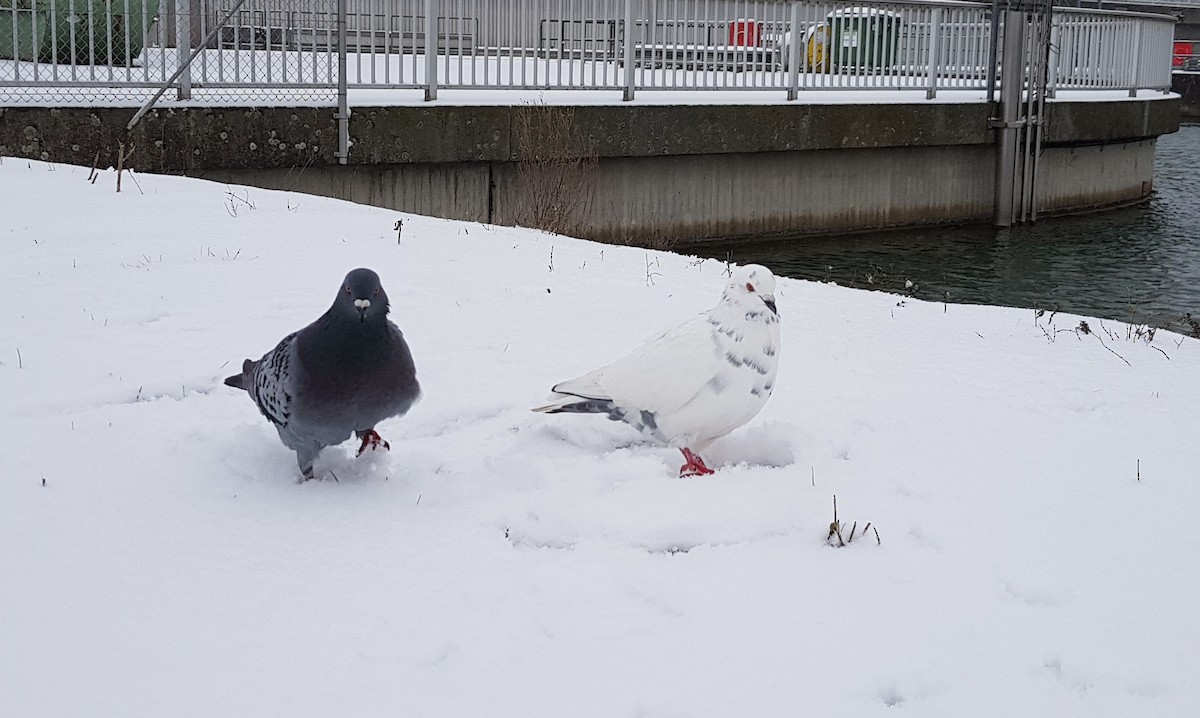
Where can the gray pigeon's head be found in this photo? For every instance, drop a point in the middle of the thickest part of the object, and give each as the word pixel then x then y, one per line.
pixel 361 297
pixel 751 284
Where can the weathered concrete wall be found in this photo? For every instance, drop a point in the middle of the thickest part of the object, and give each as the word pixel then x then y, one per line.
pixel 178 140
pixel 653 173
pixel 1074 179
pixel 194 139
pixel 664 199
pixel 459 190
pixel 651 199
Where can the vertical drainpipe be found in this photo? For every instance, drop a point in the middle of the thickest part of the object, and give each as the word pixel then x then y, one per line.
pixel 343 113
pixel 1012 81
pixel 183 45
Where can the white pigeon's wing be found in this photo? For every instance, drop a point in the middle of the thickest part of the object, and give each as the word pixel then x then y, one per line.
pixel 271 382
pixel 659 376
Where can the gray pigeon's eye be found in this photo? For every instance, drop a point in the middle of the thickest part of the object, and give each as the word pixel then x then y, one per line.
pixel 376 291
pixel 749 287
pixel 348 290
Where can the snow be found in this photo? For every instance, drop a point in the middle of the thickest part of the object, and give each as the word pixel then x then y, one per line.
pixel 1032 486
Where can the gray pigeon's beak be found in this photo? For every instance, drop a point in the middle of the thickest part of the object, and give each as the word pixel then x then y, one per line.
pixel 362 305
pixel 770 302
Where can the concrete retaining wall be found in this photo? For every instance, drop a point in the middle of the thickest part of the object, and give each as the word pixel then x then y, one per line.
pixel 639 173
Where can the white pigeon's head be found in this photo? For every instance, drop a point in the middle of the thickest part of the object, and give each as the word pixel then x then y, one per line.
pixel 750 285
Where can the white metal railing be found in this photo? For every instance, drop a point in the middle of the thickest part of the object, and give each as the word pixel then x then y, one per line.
pixel 626 45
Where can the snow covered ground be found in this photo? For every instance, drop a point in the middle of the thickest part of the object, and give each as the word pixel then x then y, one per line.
pixel 1033 487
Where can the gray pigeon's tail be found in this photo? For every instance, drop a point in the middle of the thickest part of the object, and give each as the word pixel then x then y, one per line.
pixel 238 381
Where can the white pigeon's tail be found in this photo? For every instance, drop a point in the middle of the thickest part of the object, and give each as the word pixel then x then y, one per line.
pixel 558 405
pixel 582 395
pixel 575 404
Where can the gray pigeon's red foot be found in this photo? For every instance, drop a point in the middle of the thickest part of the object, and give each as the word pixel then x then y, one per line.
pixel 694 466
pixel 371 439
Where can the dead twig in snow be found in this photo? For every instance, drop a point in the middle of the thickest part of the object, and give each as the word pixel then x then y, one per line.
pixel 122 157
pixel 835 530
pixel 650 275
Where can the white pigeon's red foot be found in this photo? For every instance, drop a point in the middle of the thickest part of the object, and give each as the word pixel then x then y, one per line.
pixel 694 466
pixel 372 440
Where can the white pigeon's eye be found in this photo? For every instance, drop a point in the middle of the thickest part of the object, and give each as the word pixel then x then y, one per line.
pixel 749 287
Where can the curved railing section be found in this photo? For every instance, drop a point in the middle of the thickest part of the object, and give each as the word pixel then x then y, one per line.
pixel 289 48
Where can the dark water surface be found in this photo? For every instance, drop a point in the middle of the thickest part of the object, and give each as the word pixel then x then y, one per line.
pixel 1140 264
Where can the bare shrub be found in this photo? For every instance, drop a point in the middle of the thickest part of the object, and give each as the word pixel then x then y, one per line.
pixel 555 170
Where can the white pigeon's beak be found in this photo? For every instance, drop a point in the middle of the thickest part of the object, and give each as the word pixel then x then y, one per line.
pixel 770 302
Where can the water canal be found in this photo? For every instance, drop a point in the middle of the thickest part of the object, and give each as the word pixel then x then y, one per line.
pixel 1138 264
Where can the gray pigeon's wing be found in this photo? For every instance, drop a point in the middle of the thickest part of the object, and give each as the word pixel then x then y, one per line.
pixel 271 382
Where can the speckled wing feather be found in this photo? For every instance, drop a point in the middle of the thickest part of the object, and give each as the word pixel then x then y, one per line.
pixel 269 381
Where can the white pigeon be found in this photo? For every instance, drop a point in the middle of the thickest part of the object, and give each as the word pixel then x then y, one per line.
pixel 695 382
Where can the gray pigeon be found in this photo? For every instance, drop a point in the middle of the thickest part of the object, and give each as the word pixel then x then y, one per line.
pixel 342 374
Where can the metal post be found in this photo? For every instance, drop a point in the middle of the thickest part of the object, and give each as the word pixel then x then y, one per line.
pixel 431 50
pixel 796 50
pixel 935 50
pixel 1137 59
pixel 1012 80
pixel 343 113
pixel 993 51
pixel 183 43
pixel 627 50
pixel 1052 69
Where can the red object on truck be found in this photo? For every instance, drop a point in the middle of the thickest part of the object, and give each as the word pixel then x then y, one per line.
pixel 1183 50
pixel 743 33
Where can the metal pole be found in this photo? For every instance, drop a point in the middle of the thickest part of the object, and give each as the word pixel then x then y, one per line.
pixel 993 51
pixel 795 52
pixel 183 43
pixel 1048 54
pixel 1012 79
pixel 1137 59
pixel 343 113
pixel 431 50
pixel 935 49
pixel 1033 39
pixel 627 50
pixel 1052 59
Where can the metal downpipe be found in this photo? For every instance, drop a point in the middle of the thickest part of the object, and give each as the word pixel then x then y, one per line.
pixel 1012 81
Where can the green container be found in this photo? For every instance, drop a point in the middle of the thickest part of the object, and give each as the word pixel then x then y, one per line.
pixel 863 39
pixel 23 30
pixel 76 32
pixel 105 32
